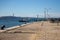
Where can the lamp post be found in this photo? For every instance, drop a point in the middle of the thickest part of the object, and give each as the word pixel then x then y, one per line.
pixel 46 15
pixel 37 17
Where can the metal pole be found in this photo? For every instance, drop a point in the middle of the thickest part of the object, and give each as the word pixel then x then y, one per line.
pixel 45 14
pixel 37 17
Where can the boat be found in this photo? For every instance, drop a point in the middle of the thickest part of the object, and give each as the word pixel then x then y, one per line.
pixel 23 20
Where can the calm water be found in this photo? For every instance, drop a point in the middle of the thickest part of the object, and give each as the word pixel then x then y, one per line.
pixel 10 23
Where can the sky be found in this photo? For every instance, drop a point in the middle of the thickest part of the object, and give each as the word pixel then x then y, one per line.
pixel 30 8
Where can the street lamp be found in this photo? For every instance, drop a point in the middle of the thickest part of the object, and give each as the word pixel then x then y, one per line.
pixel 46 15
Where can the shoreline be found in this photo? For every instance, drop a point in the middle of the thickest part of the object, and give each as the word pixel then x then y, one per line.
pixel 10 28
pixel 23 25
pixel 33 31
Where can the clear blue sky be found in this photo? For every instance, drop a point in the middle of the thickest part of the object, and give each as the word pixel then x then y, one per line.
pixel 29 8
